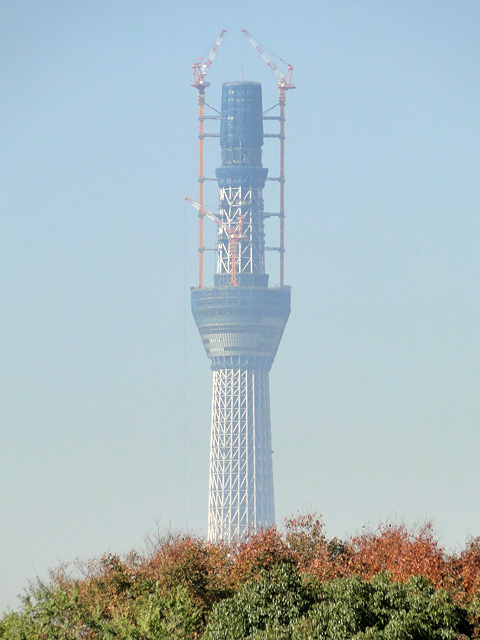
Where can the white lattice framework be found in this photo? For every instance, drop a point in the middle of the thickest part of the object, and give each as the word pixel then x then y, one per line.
pixel 245 203
pixel 241 472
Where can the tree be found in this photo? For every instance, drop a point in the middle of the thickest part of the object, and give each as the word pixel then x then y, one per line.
pixel 391 583
pixel 273 602
pixel 283 605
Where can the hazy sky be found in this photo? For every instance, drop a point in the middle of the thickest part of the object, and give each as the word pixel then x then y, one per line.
pixel 105 389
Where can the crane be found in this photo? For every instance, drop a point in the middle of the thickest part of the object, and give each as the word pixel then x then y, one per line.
pixel 234 234
pixel 200 70
pixel 284 83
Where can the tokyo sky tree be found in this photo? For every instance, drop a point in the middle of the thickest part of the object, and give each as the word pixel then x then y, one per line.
pixel 241 321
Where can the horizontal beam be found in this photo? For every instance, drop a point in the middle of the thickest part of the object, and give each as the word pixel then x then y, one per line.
pixel 271 214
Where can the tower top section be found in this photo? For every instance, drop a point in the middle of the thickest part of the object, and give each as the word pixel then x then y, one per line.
pixel 241 141
pixel 241 129
pixel 241 136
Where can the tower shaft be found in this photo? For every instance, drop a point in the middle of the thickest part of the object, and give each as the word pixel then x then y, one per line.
pixel 241 321
pixel 241 473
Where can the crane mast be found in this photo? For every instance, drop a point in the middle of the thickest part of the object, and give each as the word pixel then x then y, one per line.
pixel 199 83
pixel 284 83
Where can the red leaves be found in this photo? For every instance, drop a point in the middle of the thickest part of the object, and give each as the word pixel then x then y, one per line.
pixel 467 572
pixel 210 573
pixel 401 552
pixel 260 551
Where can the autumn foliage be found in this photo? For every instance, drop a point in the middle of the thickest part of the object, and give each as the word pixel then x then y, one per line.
pixel 180 586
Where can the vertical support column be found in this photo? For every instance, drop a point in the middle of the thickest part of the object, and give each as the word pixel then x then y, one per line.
pixel 201 136
pixel 282 101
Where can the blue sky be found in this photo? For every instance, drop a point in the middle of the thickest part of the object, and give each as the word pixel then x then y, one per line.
pixel 105 388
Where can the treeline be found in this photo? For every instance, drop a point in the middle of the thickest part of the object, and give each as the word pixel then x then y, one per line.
pixel 392 583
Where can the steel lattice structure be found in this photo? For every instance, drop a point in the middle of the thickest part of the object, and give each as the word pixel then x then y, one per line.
pixel 244 203
pixel 241 475
pixel 241 321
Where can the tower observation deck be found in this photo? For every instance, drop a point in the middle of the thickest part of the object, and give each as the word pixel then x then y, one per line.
pixel 241 321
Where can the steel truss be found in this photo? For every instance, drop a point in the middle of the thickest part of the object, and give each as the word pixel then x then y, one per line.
pixel 241 471
pixel 243 204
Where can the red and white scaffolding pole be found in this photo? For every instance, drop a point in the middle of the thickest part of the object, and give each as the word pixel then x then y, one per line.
pixel 200 69
pixel 285 83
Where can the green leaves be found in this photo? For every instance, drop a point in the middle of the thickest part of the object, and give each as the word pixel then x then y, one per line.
pixel 282 604
pixel 153 617
pixel 274 601
pixel 388 584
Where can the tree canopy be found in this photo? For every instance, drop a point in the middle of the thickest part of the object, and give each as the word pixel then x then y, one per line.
pixel 390 583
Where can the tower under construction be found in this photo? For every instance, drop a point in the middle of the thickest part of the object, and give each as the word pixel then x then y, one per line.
pixel 241 318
